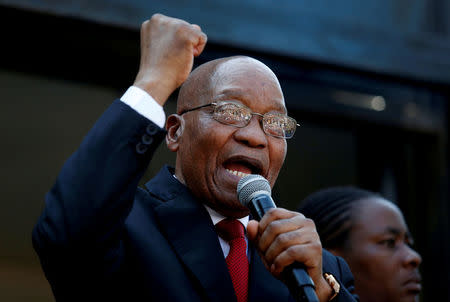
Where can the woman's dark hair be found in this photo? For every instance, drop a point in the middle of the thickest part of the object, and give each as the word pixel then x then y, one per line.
pixel 331 209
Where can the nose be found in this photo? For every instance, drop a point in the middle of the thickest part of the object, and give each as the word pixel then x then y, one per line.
pixel 252 135
pixel 412 257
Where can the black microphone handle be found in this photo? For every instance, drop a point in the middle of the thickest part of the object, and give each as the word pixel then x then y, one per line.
pixel 294 276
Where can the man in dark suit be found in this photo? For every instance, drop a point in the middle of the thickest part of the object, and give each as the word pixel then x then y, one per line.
pixel 102 238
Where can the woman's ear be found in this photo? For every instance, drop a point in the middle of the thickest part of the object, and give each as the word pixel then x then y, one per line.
pixel 175 128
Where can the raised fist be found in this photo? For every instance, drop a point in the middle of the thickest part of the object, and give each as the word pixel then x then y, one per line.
pixel 168 48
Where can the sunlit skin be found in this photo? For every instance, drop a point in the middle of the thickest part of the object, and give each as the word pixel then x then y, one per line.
pixel 380 254
pixel 207 149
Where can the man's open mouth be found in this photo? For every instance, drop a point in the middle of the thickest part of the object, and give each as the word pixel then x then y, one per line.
pixel 242 166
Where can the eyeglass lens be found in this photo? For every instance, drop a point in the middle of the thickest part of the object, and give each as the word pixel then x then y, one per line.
pixel 274 124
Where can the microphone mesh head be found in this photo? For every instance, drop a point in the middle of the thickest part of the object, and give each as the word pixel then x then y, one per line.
pixel 250 184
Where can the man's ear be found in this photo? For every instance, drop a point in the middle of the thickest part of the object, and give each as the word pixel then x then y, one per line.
pixel 175 128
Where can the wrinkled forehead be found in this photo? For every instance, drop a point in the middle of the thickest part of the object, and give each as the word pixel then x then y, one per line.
pixel 246 78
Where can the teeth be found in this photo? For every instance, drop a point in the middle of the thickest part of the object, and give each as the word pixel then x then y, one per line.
pixel 237 173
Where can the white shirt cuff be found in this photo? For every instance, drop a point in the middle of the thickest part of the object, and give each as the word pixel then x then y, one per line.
pixel 145 105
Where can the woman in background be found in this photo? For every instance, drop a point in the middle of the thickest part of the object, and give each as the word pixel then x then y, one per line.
pixel 370 233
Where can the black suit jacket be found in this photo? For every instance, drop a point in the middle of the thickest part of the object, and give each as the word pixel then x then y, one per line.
pixel 101 238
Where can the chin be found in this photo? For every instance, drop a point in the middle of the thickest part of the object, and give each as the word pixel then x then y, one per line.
pixel 231 209
pixel 410 297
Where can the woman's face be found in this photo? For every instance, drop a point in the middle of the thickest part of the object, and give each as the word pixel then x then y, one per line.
pixel 380 254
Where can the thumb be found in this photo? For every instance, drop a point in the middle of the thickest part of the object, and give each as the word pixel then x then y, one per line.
pixel 200 45
pixel 252 230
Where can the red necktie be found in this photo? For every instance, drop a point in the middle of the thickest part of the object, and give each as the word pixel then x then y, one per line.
pixel 232 231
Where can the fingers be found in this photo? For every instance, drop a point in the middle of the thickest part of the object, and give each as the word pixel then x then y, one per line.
pixel 277 221
pixel 196 27
pixel 285 237
pixel 171 34
pixel 252 230
pixel 168 47
pixel 197 39
pixel 284 241
pixel 200 44
pixel 308 254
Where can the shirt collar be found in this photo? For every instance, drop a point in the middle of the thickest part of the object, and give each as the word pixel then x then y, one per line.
pixel 217 217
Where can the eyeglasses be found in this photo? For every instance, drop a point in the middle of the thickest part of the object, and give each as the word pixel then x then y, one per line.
pixel 238 115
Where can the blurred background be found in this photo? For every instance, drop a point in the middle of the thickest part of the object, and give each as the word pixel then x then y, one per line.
pixel 367 80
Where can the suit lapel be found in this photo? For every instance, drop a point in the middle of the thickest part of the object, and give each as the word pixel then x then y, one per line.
pixel 262 285
pixel 189 229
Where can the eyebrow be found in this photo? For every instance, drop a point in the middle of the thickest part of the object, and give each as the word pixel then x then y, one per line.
pixel 239 94
pixel 397 232
pixel 393 231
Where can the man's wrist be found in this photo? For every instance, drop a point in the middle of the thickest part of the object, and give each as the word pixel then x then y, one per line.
pixel 159 89
pixel 332 282
pixel 145 105
pixel 325 290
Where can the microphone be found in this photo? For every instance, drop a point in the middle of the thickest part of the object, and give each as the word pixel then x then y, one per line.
pixel 254 192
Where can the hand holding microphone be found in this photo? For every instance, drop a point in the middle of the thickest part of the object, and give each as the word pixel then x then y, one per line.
pixel 287 241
